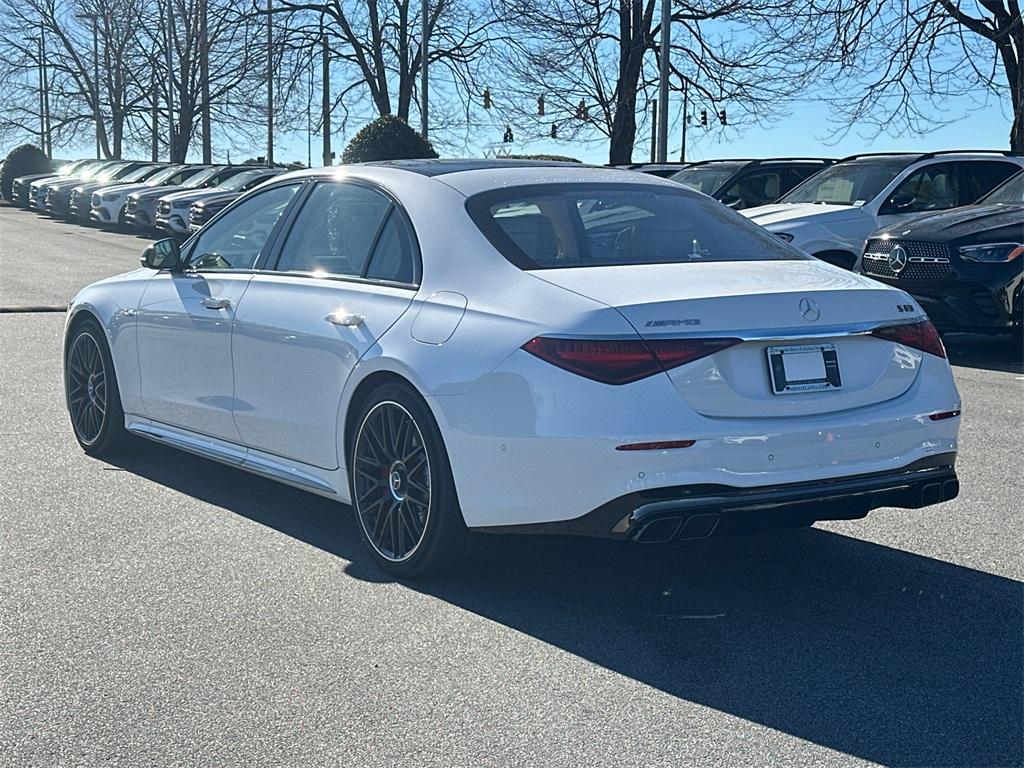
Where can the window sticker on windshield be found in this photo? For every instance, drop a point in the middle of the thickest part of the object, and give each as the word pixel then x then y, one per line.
pixel 859 202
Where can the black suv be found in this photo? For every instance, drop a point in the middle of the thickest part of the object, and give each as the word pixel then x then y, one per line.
pixel 749 183
pixel 965 266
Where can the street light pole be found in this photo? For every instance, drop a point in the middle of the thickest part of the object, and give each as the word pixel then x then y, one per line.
pixel 270 85
pixel 204 81
pixel 424 49
pixel 666 35
pixel 325 104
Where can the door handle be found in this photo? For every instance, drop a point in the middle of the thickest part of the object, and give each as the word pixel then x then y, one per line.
pixel 343 318
pixel 212 303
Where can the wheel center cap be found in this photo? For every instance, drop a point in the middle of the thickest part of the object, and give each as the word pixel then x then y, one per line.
pixel 91 390
pixel 397 481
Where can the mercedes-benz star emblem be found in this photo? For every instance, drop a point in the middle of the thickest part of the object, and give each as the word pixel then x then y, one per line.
pixel 809 309
pixel 897 259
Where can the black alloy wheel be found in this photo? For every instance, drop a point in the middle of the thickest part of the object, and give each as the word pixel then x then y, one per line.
pixel 403 493
pixel 91 390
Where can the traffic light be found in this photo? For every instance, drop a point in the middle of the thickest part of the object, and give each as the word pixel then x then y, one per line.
pixel 704 118
pixel 554 130
pixel 582 113
pixel 540 105
pixel 487 98
pixel 721 118
pixel 508 138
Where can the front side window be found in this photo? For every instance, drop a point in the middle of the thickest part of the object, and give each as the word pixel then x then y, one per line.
pixel 753 189
pixel 553 226
pixel 236 240
pixel 935 187
pixel 855 182
pixel 335 230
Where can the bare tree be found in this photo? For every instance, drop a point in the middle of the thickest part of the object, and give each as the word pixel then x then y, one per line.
pixel 904 59
pixel 86 94
pixel 595 63
pixel 379 41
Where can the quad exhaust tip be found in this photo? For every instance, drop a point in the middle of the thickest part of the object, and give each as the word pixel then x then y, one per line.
pixel 665 529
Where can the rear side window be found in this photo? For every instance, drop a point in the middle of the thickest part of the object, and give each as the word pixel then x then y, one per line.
pixel 554 226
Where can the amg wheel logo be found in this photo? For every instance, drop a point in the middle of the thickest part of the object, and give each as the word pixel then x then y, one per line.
pixel 809 309
pixel 671 323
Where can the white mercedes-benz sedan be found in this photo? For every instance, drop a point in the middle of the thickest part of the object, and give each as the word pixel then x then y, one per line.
pixel 455 347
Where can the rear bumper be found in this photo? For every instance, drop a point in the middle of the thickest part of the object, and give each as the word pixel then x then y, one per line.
pixel 699 511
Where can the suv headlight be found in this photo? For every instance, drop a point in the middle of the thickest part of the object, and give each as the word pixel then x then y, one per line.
pixel 992 252
pixel 110 197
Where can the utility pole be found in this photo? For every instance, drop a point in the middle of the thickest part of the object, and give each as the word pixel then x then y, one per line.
pixel 204 80
pixel 270 85
pixel 654 130
pixel 326 103
pixel 424 50
pixel 155 150
pixel 46 97
pixel 170 83
pixel 686 117
pixel 309 111
pixel 666 34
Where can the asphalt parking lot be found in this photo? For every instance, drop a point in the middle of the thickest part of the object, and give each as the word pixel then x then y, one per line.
pixel 167 610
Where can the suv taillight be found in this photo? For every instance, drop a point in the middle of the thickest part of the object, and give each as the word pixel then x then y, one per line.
pixel 920 335
pixel 621 361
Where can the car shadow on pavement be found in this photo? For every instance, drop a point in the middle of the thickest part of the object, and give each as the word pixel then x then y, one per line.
pixel 872 651
pixel 991 353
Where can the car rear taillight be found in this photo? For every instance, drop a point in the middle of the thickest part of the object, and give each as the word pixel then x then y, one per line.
pixel 621 361
pixel 920 335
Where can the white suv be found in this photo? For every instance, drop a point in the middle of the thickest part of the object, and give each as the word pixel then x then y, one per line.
pixel 831 215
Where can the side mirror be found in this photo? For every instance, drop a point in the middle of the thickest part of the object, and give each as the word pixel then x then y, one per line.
pixel 730 200
pixel 163 254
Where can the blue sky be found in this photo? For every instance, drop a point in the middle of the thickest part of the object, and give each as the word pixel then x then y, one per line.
pixel 805 132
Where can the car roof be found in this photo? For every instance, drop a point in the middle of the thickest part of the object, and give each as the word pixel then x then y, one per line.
pixel 472 176
pixel 437 167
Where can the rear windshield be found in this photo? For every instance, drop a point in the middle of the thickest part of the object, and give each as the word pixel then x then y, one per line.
pixel 553 226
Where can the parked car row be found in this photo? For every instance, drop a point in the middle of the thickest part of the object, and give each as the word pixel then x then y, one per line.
pixel 136 194
pixel 947 227
pixel 897 217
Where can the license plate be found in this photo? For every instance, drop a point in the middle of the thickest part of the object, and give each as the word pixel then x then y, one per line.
pixel 804 368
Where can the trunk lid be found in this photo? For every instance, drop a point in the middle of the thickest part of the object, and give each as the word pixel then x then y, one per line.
pixel 760 302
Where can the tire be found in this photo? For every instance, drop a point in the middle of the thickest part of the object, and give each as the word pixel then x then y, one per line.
pixel 403 494
pixel 91 393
